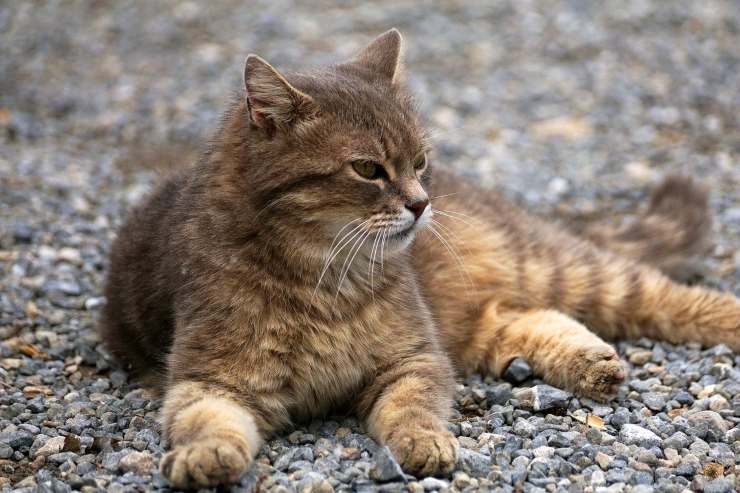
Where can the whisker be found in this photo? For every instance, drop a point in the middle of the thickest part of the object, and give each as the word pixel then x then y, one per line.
pixel 339 247
pixel 445 195
pixel 382 251
pixel 456 213
pixel 360 242
pixel 376 241
pixel 340 231
pixel 272 203
pixel 463 269
pixel 446 214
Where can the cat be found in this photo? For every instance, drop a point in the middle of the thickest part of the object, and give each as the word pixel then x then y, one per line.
pixel 312 261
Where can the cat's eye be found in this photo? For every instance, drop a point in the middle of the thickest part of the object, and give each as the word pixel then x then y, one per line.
pixel 368 169
pixel 421 162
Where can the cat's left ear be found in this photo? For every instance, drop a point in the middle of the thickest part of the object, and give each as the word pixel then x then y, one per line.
pixel 272 101
pixel 383 57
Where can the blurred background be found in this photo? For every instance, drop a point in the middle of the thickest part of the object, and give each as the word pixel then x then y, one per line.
pixel 571 106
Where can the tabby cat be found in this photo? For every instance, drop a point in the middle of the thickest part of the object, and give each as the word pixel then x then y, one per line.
pixel 313 262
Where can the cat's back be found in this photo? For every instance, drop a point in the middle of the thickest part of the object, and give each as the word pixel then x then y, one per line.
pixel 137 320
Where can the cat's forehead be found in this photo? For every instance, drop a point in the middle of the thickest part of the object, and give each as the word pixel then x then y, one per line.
pixel 369 111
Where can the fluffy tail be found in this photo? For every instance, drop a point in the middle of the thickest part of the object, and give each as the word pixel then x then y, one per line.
pixel 673 234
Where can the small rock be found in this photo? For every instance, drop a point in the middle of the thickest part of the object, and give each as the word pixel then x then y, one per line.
pixel 543 398
pixel 718 403
pixel 602 460
pixel 386 468
pixel 139 463
pixel 52 446
pixel 434 484
pixel 639 358
pixel 518 371
pixel 677 441
pixel 715 425
pixel 637 435
pixel 719 485
pixel 524 428
pixel 473 463
pixel 654 401
pixel 500 394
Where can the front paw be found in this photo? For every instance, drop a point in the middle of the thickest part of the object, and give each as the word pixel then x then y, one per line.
pixel 208 463
pixel 424 452
pixel 600 373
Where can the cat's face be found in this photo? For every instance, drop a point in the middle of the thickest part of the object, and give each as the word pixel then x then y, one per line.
pixel 348 159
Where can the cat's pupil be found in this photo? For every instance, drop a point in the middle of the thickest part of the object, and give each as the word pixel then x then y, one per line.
pixel 420 163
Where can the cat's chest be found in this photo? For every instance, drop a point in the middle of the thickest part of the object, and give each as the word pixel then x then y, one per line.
pixel 313 365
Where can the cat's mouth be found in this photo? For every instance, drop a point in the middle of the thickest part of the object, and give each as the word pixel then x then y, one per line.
pixel 402 234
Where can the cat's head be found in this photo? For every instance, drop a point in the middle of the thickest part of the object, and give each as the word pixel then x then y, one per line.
pixel 338 153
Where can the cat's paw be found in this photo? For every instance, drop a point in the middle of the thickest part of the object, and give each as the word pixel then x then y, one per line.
pixel 424 452
pixel 208 463
pixel 601 375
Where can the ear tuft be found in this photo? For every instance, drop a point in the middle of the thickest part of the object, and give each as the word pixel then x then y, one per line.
pixel 271 100
pixel 383 56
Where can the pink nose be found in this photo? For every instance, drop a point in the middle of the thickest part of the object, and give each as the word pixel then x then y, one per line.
pixel 417 208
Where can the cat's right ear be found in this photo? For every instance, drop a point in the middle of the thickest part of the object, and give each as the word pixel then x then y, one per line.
pixel 272 102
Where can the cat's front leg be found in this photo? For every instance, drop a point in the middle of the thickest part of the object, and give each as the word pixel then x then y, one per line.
pixel 407 408
pixel 213 437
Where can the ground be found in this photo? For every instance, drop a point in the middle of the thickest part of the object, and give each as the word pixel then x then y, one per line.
pixel 572 108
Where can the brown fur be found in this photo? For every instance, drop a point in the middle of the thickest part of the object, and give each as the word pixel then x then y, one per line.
pixel 223 291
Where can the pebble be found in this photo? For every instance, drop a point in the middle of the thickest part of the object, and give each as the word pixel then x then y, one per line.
pixel 51 446
pixel 518 371
pixel 542 398
pixel 637 435
pixel 139 463
pixel 386 467
pixel 474 463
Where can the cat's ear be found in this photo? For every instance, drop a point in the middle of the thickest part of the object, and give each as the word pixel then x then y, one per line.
pixel 271 100
pixel 383 56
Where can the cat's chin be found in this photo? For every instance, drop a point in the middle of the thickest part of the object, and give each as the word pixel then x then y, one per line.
pixel 400 240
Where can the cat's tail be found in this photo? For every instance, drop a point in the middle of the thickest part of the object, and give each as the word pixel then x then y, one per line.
pixel 672 234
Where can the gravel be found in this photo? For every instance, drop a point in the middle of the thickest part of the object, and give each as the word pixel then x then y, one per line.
pixel 571 108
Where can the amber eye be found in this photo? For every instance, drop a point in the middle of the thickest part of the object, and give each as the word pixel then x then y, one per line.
pixel 368 169
pixel 421 162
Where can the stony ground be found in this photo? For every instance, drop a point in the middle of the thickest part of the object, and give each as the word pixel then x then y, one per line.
pixel 570 107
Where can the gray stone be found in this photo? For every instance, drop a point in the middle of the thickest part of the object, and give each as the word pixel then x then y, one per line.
pixel 719 485
pixel 16 439
pixel 139 463
pixel 676 441
pixel 654 401
pixel 524 428
pixel 473 463
pixel 386 467
pixel 500 394
pixel 542 398
pixel 51 446
pixel 434 484
pixel 518 371
pixel 637 435
pixel 708 423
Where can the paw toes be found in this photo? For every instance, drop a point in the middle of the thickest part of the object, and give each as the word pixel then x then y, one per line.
pixel 602 378
pixel 426 452
pixel 202 465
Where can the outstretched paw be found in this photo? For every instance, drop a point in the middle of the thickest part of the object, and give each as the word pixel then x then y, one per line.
pixel 208 463
pixel 600 373
pixel 424 452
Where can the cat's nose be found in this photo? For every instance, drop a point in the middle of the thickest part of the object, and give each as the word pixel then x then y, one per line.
pixel 418 207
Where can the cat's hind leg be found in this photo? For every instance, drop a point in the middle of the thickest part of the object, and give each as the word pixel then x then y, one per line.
pixel 213 437
pixel 560 349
